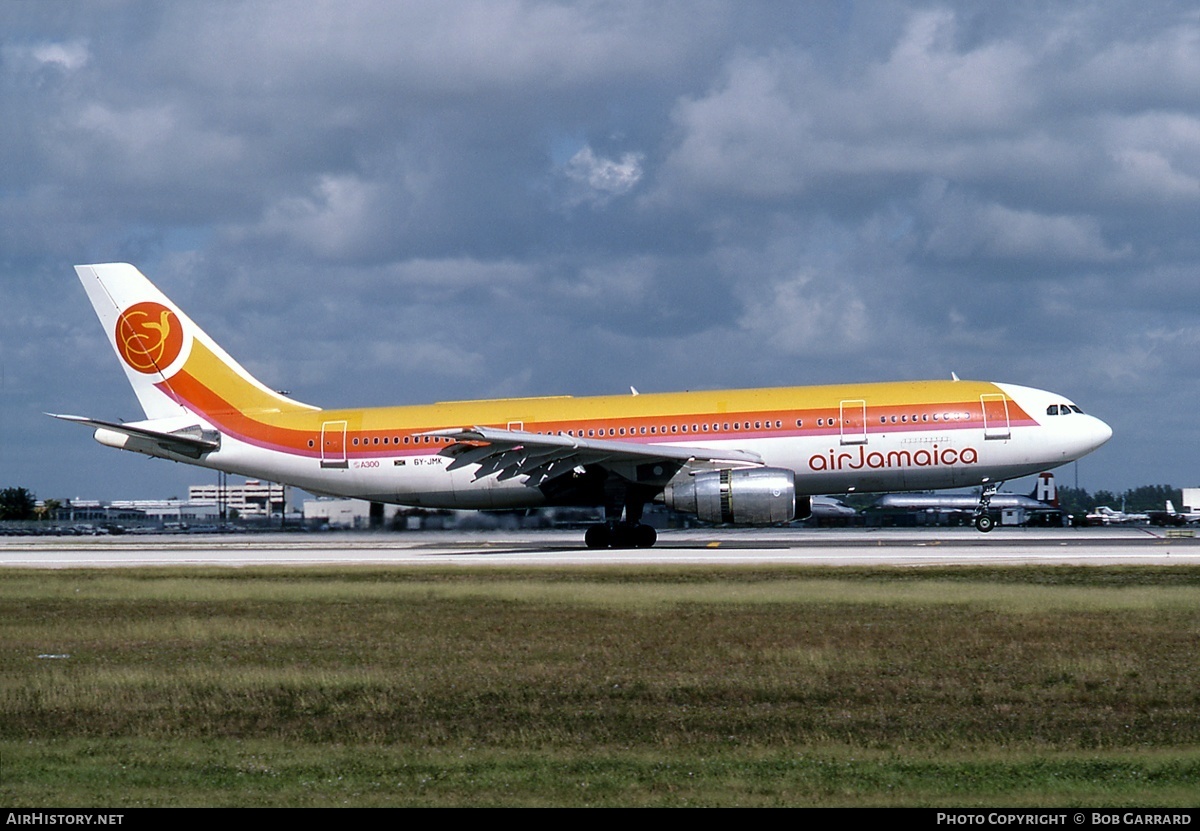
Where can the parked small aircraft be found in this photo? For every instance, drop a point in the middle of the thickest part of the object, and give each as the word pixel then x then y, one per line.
pixel 1104 515
pixel 1173 517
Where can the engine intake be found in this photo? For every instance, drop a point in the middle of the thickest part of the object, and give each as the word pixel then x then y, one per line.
pixel 749 496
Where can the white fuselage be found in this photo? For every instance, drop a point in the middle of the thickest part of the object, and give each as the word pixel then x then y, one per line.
pixel 887 460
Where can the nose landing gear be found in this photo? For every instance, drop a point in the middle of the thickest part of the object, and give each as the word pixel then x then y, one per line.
pixel 983 520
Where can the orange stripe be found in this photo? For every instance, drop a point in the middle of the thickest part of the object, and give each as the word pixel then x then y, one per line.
pixel 299 431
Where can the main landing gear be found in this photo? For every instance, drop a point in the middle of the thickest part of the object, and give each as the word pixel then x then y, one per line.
pixel 983 520
pixel 620 535
pixel 625 531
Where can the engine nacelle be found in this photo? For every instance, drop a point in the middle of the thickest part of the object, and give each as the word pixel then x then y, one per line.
pixel 749 496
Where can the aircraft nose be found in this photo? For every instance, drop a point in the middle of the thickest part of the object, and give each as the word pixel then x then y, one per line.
pixel 1098 433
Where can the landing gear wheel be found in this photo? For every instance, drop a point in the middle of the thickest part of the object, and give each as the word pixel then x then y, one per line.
pixel 597 536
pixel 983 520
pixel 644 536
pixel 621 535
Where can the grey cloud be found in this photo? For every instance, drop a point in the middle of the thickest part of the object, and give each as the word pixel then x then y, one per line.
pixel 964 229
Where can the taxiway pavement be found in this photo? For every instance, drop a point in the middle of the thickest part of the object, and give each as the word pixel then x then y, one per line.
pixel 801 547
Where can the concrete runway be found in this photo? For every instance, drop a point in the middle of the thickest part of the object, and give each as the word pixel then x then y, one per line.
pixel 812 547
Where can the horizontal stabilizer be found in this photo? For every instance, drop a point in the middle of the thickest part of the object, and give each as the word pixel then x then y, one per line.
pixel 192 441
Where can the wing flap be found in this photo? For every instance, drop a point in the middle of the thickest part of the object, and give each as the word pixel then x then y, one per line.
pixel 508 454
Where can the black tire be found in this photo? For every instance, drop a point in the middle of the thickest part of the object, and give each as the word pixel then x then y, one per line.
pixel 644 536
pixel 984 523
pixel 621 536
pixel 597 536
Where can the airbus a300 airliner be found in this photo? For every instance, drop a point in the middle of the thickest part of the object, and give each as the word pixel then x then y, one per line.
pixel 749 456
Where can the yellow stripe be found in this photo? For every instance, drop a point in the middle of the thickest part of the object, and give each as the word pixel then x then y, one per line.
pixel 532 411
pixel 222 379
pixel 270 411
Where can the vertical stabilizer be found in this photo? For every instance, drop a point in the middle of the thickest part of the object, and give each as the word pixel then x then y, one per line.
pixel 1045 490
pixel 172 365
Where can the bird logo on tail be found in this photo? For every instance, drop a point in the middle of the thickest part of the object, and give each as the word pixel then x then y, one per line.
pixel 149 336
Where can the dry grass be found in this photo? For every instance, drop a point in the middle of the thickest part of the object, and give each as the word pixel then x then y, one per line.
pixel 764 683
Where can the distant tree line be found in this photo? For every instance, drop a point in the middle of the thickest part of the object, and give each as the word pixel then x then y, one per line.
pixel 1135 500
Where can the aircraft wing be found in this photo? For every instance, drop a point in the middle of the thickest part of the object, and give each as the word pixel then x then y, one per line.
pixel 193 441
pixel 541 456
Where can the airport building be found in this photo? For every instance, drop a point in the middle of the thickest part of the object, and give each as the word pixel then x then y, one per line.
pixel 253 499
pixel 166 512
pixel 345 513
pixel 206 506
pixel 1191 500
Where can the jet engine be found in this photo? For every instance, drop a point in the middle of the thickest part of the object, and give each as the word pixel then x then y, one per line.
pixel 749 496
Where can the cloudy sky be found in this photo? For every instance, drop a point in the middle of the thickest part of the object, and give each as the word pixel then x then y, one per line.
pixel 385 203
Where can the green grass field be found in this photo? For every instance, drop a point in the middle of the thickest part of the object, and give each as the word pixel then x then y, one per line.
pixel 605 686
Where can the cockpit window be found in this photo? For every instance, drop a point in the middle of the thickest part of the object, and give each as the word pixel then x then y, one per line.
pixel 1052 409
pixel 1076 409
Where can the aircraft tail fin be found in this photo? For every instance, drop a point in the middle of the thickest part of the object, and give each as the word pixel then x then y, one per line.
pixel 1044 490
pixel 172 365
pixel 1171 507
